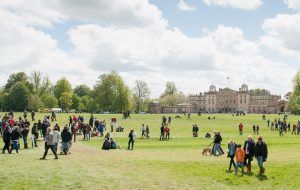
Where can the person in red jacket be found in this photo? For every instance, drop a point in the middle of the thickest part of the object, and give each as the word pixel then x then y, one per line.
pixel 241 128
pixel 167 132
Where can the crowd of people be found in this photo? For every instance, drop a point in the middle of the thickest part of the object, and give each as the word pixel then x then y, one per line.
pixel 240 155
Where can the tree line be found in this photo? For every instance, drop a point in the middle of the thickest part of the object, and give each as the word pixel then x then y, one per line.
pixel 294 98
pixel 109 94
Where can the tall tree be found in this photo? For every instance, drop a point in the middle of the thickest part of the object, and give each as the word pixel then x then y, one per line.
pixel 41 85
pixel 141 93
pixel 111 94
pixel 170 88
pixel 75 101
pixel 82 90
pixel 50 101
pixel 61 86
pixel 66 100
pixel 35 103
pixel 294 101
pixel 17 77
pixel 18 97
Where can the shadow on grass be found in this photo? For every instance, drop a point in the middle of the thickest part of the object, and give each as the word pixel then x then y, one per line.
pixel 262 177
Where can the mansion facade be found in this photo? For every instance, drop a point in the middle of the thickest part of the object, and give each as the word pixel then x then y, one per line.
pixel 226 100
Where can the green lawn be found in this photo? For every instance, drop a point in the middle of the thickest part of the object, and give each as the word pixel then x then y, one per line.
pixel 154 164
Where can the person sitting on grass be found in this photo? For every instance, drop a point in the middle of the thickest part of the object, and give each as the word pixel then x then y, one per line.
pixel 113 144
pixel 106 144
pixel 239 156
pixel 207 135
pixel 49 144
pixel 231 153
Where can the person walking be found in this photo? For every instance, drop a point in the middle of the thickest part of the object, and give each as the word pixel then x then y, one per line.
pixel 241 126
pixel 66 138
pixel 143 129
pixel 147 131
pixel 249 146
pixel 49 144
pixel 131 137
pixel 6 139
pixel 239 156
pixel 261 154
pixel 56 137
pixel 231 154
pixel 15 136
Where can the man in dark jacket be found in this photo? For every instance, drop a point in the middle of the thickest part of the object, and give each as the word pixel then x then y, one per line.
pixel 261 153
pixel 6 139
pixel 249 146
pixel 217 144
pixel 66 139
pixel 15 136
pixel 131 137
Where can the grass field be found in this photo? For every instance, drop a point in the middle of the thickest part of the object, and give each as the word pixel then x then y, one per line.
pixel 154 164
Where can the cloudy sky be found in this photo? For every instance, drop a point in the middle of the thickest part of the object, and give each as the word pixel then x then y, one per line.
pixel 192 42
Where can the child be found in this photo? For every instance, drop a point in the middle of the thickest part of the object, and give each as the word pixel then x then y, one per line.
pixel 239 156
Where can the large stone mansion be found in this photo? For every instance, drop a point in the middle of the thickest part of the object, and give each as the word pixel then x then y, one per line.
pixel 226 100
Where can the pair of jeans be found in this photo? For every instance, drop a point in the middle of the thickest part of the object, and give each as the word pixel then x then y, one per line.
pixel 25 140
pixel 217 148
pixel 15 146
pixel 260 161
pixel 65 147
pixel 55 146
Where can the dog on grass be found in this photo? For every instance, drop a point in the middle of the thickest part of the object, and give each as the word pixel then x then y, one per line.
pixel 206 151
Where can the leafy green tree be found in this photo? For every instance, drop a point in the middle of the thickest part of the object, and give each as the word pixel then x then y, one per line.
pixel 111 94
pixel 170 88
pixel 141 93
pixel 50 101
pixel 35 103
pixel 82 107
pixel 40 85
pixel 91 106
pixel 75 101
pixel 17 77
pixel 66 100
pixel 61 86
pixel 82 90
pixel 294 101
pixel 172 99
pixel 18 97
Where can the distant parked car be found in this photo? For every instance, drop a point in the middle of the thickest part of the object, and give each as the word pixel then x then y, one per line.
pixel 56 110
pixel 43 110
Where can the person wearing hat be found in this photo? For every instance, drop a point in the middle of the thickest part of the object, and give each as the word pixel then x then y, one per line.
pixel 261 154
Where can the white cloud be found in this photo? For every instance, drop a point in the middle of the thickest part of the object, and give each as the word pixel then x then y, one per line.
pixel 283 34
pixel 132 38
pixel 238 4
pixel 183 6
pixel 292 4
